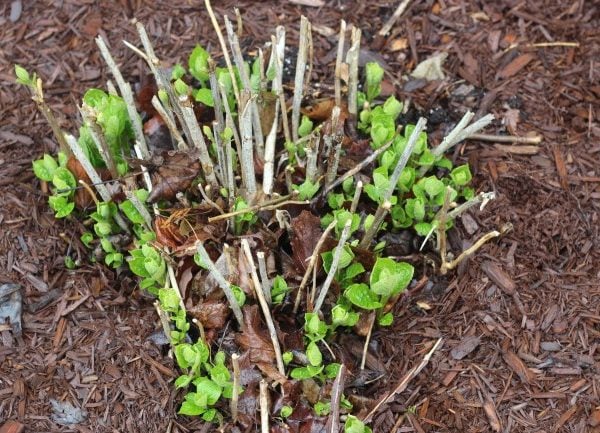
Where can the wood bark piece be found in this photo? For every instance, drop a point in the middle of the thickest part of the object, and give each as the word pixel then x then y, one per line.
pixel 499 277
pixel 12 426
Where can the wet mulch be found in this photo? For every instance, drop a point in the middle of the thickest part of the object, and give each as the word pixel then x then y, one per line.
pixel 520 321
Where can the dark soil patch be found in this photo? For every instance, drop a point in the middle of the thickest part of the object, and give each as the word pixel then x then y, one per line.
pixel 528 361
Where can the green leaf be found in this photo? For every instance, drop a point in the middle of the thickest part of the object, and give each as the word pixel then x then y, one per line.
pixel 342 316
pixel 183 381
pixel 285 411
pixel 169 300
pixel 322 408
pixel 136 264
pixel 44 168
pixel 407 179
pixel 386 319
pixel 444 163
pixel 198 64
pixel 107 246
pixel 220 375
pixel 210 414
pixel 415 208
pixel 131 212
pixel 95 98
pixel 239 295
pixel 335 201
pixel 287 357
pixel 190 409
pixel 205 97
pixel 382 128
pixel 421 143
pixel 307 190
pixel 177 72
pixel 433 186
pixel 461 175
pixel 22 75
pixel 374 75
pixel 392 106
pixel 307 372
pixel 210 389
pixel 314 354
pixel 346 257
pixel 180 87
pixel 279 290
pixel 389 277
pixel 86 239
pixel 332 370
pixel 61 205
pixel 423 228
pixel 70 263
pixel 361 296
pixel 63 179
pixel 353 270
pixel 426 158
pixel 306 126
pixel 354 425
pixel 315 328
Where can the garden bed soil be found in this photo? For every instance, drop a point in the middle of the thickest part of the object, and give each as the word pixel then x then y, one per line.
pixel 520 321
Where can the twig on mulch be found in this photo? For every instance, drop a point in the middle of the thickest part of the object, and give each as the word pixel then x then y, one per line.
pixel 537 139
pixel 392 20
pixel 336 396
pixel 412 373
pixel 264 407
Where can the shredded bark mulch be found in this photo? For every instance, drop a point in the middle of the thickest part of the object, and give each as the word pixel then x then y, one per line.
pixel 520 321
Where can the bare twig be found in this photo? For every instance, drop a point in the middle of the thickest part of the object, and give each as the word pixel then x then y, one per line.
pixel 338 64
pixel 412 373
pixel 337 255
pixel 265 282
pixel 89 117
pixel 352 60
pixel 335 138
pixel 337 391
pixel 197 138
pixel 170 122
pixel 264 406
pixel 127 95
pixel 392 20
pixel 356 198
pixel 239 61
pixel 367 340
pixel 277 57
pixel 267 205
pixel 223 283
pixel 268 171
pixel 215 24
pixel 94 176
pixel 264 306
pixel 506 138
pixel 300 80
pixel 235 363
pixel 311 264
pixel 448 266
pixel 247 155
pixel 37 96
pixel 357 167
pixel 370 233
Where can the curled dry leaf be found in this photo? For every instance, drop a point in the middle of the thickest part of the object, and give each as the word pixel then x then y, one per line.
pixel 212 314
pixel 306 231
pixel 254 339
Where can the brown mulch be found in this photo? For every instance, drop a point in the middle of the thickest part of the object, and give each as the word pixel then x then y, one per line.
pixel 520 321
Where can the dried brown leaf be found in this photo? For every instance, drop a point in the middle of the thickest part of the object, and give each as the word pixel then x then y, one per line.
pixel 254 337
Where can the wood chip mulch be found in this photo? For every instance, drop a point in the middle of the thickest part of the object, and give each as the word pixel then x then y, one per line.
pixel 520 321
